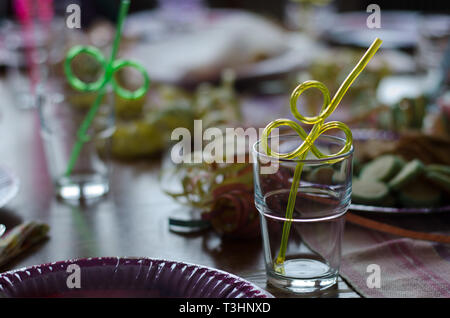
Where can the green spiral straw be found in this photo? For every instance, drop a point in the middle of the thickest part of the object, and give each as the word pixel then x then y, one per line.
pixel 110 66
pixel 307 145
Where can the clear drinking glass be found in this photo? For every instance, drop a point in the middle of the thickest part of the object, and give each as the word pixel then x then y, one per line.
pixel 312 236
pixel 61 115
pixel 27 55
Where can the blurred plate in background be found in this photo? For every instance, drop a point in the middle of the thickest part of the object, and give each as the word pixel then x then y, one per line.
pixel 399 30
pixel 251 45
pixel 390 210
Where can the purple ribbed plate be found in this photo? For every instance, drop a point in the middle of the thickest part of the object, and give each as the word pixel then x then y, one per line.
pixel 125 277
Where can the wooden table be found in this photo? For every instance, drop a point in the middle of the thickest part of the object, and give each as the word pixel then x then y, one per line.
pixel 131 221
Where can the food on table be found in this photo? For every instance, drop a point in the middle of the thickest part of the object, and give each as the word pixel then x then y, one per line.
pixel 369 191
pixel 404 165
pixel 438 168
pixel 382 168
pixel 136 139
pixel 412 184
pixel 409 172
pixel 442 180
pixel 409 146
pixel 437 123
pixel 409 113
pixel 149 131
pixel 429 149
pixel 419 194
pixel 418 114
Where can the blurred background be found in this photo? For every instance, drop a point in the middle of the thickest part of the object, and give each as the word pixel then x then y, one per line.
pixel 276 9
pixel 259 51
pixel 234 64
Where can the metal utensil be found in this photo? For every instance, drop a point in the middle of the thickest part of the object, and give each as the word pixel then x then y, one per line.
pixel 2 229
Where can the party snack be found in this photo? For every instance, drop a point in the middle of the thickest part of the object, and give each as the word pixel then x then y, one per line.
pixel 441 180
pixel 383 168
pixel 371 192
pixel 307 145
pixel 419 194
pixel 147 132
pixel 415 185
pixel 408 172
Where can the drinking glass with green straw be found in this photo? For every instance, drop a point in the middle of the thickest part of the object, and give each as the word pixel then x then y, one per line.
pixel 110 66
pixel 319 127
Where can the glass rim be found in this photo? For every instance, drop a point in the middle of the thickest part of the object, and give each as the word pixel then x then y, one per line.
pixel 310 161
pixel 322 218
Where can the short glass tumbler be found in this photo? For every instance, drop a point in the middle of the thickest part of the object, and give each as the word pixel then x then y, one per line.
pixel 61 117
pixel 303 251
pixel 26 59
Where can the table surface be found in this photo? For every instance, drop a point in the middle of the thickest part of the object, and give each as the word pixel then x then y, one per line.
pixel 131 221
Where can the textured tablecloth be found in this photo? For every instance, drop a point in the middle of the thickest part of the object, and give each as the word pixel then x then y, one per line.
pixel 407 267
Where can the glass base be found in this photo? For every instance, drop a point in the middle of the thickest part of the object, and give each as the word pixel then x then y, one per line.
pixel 82 187
pixel 303 276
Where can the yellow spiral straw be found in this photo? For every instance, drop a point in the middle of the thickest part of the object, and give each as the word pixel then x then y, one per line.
pixel 319 127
